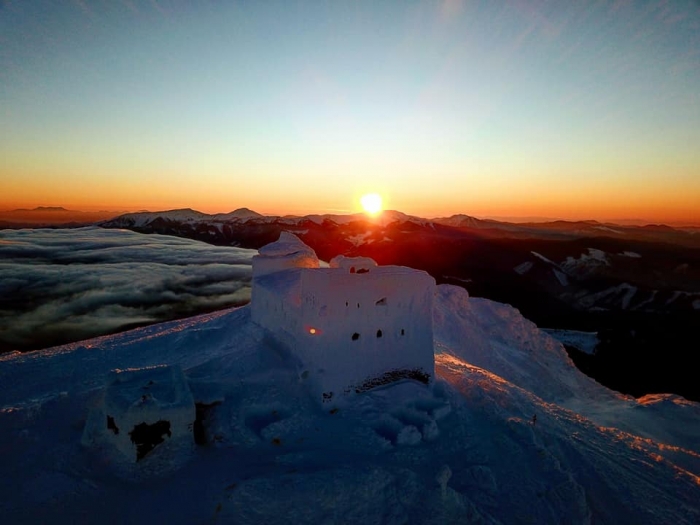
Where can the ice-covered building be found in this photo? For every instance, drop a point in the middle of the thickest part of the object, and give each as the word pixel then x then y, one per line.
pixel 353 326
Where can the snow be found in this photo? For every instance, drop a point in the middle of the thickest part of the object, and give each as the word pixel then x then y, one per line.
pixel 607 229
pixel 584 341
pixel 633 255
pixel 136 399
pixel 360 238
pixel 624 293
pixel 678 294
pixel 141 219
pixel 461 450
pixel 629 294
pixel 542 257
pixel 649 300
pixel 458 279
pixel 353 326
pixel 561 277
pixel 241 214
pixel 673 297
pixel 523 268
pixel 353 264
pixel 587 262
pixel 287 252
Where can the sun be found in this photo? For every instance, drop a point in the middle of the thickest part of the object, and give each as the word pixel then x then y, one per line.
pixel 371 203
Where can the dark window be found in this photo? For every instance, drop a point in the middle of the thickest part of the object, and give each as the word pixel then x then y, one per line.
pixel 111 425
pixel 363 270
pixel 355 336
pixel 403 332
pixel 379 333
pixel 146 437
pixel 381 302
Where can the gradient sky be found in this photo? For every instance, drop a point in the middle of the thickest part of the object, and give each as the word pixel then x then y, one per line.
pixel 539 108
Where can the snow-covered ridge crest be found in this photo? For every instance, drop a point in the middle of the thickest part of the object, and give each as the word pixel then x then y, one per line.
pixel 184 215
pixel 246 215
pixel 468 448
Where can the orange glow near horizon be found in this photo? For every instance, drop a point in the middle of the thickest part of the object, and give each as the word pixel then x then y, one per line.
pixel 459 114
pixel 679 210
pixel 497 195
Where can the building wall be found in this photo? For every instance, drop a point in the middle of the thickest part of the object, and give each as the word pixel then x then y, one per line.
pixel 276 305
pixel 265 265
pixel 349 324
pixel 356 326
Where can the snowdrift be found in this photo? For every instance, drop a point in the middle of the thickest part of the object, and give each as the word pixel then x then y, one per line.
pixel 464 450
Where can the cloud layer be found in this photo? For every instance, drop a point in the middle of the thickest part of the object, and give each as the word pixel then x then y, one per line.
pixel 64 285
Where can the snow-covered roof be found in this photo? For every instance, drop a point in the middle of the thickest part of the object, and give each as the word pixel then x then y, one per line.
pixel 347 263
pixel 287 244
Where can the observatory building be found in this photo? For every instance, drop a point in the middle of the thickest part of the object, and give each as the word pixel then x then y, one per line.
pixel 353 326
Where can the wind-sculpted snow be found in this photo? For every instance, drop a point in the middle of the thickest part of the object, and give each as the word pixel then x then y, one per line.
pixel 466 450
pixel 495 337
pixel 473 329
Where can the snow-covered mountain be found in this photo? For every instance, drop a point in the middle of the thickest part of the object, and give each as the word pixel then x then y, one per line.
pixel 589 266
pixel 244 215
pixel 468 449
pixel 638 287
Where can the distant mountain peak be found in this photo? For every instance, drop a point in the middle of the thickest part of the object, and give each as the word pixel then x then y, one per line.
pixel 50 208
pixel 41 209
pixel 246 211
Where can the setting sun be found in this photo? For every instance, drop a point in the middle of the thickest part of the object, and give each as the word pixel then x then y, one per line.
pixel 371 203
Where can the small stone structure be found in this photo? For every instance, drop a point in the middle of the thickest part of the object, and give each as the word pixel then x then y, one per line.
pixel 143 409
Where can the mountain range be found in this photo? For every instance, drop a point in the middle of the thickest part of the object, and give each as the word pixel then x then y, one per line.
pixel 636 287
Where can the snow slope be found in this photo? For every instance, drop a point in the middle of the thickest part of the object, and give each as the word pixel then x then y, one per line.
pixel 465 451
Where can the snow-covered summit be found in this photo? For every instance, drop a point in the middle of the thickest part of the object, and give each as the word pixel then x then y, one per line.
pixel 184 216
pixel 141 219
pixel 238 214
pixel 467 449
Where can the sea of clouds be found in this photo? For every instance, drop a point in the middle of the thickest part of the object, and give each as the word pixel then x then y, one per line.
pixel 64 285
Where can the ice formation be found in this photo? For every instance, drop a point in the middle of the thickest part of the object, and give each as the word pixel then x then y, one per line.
pixel 353 326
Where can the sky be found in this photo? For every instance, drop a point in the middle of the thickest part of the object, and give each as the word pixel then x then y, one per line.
pixel 575 110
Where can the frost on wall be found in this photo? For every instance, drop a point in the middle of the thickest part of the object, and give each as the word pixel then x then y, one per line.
pixel 287 252
pixel 143 410
pixel 354 326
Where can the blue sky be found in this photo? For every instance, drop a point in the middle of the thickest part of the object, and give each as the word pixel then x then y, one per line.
pixel 536 108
